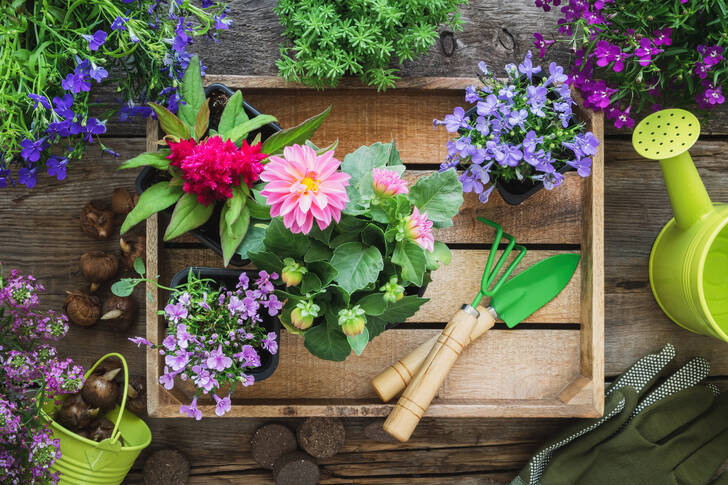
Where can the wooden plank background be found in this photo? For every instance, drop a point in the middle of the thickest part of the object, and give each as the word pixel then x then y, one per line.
pixel 39 234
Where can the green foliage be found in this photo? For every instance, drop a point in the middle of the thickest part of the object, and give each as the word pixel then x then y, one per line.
pixel 354 262
pixel 329 39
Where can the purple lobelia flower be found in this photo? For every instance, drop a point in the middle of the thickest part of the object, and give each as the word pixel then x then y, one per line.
pixel 32 149
pixel 76 82
pixel 218 360
pixel 139 341
pixel 246 380
pixel 167 379
pixel 191 410
pixel 94 127
pixel 541 44
pixel 96 40
pixel 582 165
pixel 273 304
pixel 28 176
pixel 270 343
pixel 98 73
pixel 177 361
pixel 40 99
pixel 711 96
pixel 119 23
pixel 489 106
pixel 175 312
pixel 62 105
pixel 243 281
pixel 471 95
pixel 56 167
pixel 518 118
pixel 645 52
pixel 662 36
pixel 527 68
pixel 223 404
pixel 455 121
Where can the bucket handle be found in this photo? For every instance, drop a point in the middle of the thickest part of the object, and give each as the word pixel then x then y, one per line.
pixel 115 433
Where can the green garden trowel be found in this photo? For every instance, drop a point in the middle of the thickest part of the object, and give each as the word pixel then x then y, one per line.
pixel 689 260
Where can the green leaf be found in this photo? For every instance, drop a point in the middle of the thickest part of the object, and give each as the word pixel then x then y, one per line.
pixel 441 253
pixel 360 163
pixel 310 283
pixel 283 242
pixel 373 304
pixel 239 132
pixel 139 266
pixel 375 325
pixel 257 210
pixel 156 160
pixel 156 198
pixel 188 214
pixel 411 258
pixel 324 270
pixel 440 195
pixel 233 115
pixel 123 287
pixel 357 265
pixel 296 135
pixel 317 252
pixel 203 119
pixel 171 125
pixel 359 342
pixel 326 341
pixel 253 240
pixel 235 205
pixel 266 260
pixel 401 310
pixel 319 235
pixel 232 234
pixel 339 296
pixel 192 92
pixel 373 235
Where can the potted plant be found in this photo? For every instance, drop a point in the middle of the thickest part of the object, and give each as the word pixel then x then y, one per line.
pixel 30 374
pixel 210 174
pixel 330 39
pixel 349 243
pixel 632 55
pixel 221 333
pixel 521 135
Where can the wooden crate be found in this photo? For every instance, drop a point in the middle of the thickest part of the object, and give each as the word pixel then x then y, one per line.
pixel 552 365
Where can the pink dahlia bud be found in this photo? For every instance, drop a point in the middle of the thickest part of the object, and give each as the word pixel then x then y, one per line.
pixel 387 183
pixel 302 316
pixel 416 227
pixel 293 272
pixel 352 320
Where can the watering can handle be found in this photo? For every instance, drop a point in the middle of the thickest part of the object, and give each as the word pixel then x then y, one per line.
pixel 392 380
pixel 115 433
pixel 415 400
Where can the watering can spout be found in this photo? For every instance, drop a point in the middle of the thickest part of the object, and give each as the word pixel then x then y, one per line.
pixel 667 136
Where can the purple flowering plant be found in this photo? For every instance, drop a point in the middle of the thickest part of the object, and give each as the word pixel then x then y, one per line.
pixel 629 56
pixel 521 128
pixel 54 53
pixel 30 374
pixel 215 336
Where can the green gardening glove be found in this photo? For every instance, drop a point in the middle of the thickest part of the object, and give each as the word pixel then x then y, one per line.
pixel 681 439
pixel 620 402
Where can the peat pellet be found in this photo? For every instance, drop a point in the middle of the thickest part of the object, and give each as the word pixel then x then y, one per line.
pixel 269 442
pixel 166 467
pixel 321 437
pixel 296 468
pixel 375 432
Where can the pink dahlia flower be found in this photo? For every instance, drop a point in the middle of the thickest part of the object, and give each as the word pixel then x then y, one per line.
pixel 303 186
pixel 388 183
pixel 419 229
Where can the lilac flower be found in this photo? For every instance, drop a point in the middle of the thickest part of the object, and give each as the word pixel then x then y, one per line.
pixel 246 380
pixel 270 343
pixel 191 410
pixel 518 118
pixel 218 360
pixel 541 44
pixel 471 95
pixel 76 82
pixel 57 167
pixel 167 379
pixel 40 99
pixel 119 23
pixel 488 107
pixel 27 176
pixel 32 149
pixel 98 73
pixel 139 341
pixel 223 405
pixel 527 67
pixel 177 361
pixel 455 121
pixel 96 40
pixel 175 312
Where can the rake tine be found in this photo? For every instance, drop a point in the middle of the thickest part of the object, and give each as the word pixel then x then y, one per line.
pixel 511 267
pixel 501 262
pixel 493 249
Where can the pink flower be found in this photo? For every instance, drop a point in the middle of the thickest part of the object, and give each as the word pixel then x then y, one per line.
pixel 218 360
pixel 191 410
pixel 419 229
pixel 223 404
pixel 388 183
pixel 303 186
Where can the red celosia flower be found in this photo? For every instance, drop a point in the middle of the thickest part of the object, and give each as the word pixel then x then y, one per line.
pixel 213 167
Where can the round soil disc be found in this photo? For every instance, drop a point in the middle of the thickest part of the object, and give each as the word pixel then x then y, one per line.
pixel 269 442
pixel 321 437
pixel 296 468
pixel 166 467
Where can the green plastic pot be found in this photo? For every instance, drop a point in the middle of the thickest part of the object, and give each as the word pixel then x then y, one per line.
pixel 87 462
pixel 688 266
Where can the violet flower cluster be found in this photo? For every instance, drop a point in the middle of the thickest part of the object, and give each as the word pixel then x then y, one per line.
pixel 215 337
pixel 520 129
pixel 633 55
pixel 138 46
pixel 30 374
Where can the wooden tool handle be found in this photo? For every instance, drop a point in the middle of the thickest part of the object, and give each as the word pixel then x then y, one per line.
pixel 415 400
pixel 392 380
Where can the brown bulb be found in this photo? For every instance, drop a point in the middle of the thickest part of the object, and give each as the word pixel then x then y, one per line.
pixel 122 202
pixel 98 267
pixel 82 309
pixel 136 399
pixel 97 220
pixel 100 390
pixel 100 429
pixel 75 413
pixel 119 312
pixel 133 246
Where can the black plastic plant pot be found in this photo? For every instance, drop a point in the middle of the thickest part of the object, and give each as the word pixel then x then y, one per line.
pixel 209 233
pixel 516 191
pixel 229 278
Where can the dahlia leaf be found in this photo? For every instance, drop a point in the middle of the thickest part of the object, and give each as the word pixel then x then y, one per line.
pixel 266 260
pixel 238 134
pixel 156 160
pixel 192 92
pixel 171 125
pixel 326 341
pixel 317 252
pixel 285 243
pixel 375 326
pixel 401 310
pixel 411 258
pixel 310 283
pixel 257 210
pixel 296 135
pixel 357 265
pixel 156 198
pixel 233 115
pixel 440 195
pixel 253 240
pixel 232 234
pixel 373 304
pixel 359 342
pixel 324 271
pixel 203 119
pixel 188 214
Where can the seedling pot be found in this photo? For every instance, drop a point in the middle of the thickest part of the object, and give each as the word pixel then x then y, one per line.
pixel 209 233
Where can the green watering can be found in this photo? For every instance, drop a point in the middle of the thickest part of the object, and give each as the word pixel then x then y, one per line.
pixel 689 260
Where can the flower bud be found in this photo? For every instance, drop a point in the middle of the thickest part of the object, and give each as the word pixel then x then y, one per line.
pixel 352 320
pixel 393 291
pixel 293 272
pixel 302 316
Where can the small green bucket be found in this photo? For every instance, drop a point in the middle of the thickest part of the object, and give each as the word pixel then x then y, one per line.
pixel 87 462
